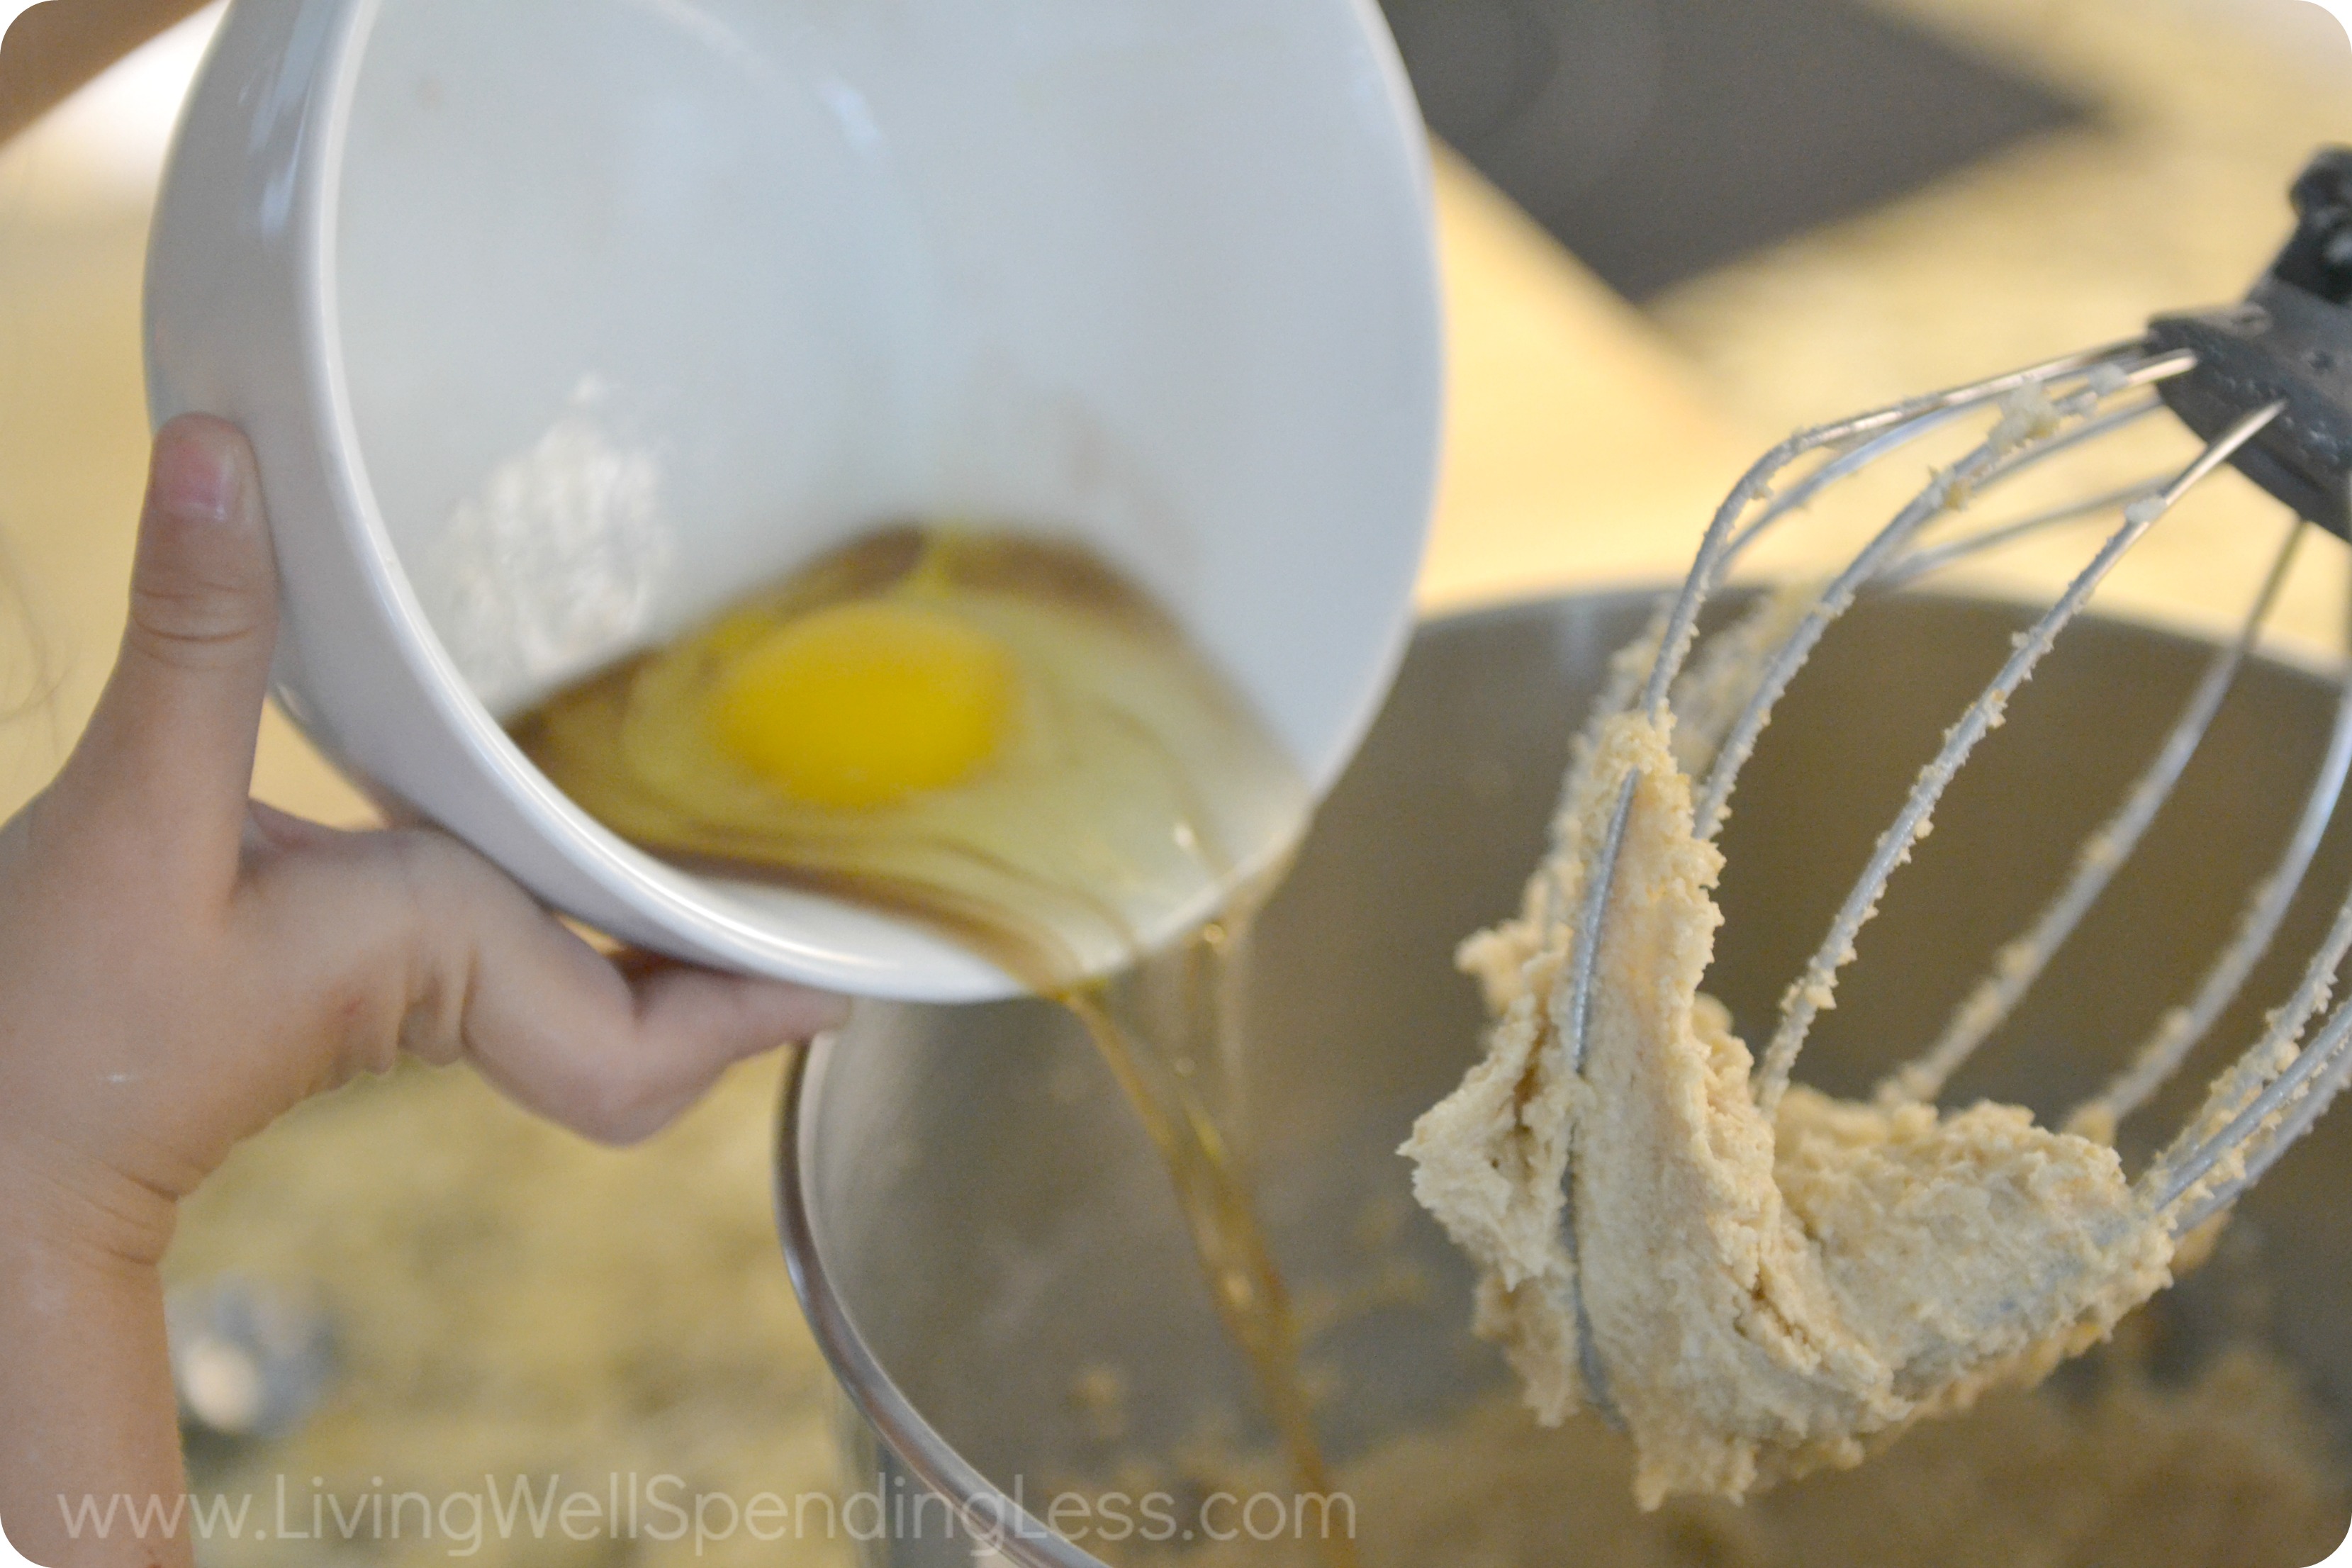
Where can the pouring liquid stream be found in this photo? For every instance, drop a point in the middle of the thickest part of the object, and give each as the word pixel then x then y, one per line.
pixel 1000 738
pixel 1162 1072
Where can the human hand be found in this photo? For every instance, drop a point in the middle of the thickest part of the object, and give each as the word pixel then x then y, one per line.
pixel 179 965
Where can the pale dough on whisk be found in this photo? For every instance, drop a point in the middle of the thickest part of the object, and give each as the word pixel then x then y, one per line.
pixel 1765 1298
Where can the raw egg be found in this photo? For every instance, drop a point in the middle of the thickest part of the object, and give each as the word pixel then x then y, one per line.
pixel 993 733
pixel 1000 736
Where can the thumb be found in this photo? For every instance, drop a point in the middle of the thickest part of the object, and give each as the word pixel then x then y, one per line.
pixel 169 752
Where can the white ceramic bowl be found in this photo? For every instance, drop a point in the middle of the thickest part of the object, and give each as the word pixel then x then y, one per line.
pixel 558 323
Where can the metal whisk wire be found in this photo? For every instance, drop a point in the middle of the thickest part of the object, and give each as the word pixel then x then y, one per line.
pixel 2183 1028
pixel 2019 964
pixel 1812 990
pixel 2038 429
pixel 2267 385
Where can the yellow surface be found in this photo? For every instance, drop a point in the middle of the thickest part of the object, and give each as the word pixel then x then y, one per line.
pixel 1581 443
pixel 2172 196
pixel 512 1299
pixel 1579 446
pixel 864 704
pixel 73 439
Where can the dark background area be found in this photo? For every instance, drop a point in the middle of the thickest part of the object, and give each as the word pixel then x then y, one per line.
pixel 1660 138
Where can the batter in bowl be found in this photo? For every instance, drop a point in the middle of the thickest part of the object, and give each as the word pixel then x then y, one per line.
pixel 1758 1298
pixel 2232 1469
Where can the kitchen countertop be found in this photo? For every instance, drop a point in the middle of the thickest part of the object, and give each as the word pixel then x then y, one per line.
pixel 512 1301
pixel 2172 197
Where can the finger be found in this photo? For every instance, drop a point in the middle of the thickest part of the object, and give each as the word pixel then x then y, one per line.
pixel 626 1056
pixel 168 756
pixel 423 945
pixel 697 1025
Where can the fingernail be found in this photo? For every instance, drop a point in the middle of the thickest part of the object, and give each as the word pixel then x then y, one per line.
pixel 198 478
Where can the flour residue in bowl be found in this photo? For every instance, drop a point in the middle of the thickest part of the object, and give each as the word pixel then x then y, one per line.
pixel 549 566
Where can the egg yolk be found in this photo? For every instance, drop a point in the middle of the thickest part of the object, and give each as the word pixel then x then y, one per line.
pixel 864 704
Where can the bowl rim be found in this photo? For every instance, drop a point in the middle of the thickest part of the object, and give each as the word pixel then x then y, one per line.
pixel 622 871
pixel 674 900
pixel 868 1387
pixel 1015 1533
pixel 872 1392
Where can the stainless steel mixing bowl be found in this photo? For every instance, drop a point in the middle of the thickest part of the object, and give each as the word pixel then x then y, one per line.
pixel 973 1216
